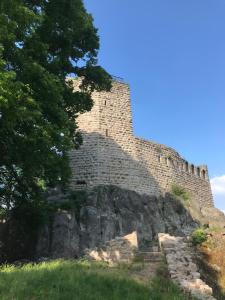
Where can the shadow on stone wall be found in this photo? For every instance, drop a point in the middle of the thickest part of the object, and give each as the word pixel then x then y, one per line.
pixel 102 161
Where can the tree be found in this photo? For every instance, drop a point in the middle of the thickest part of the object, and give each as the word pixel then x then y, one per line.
pixel 42 42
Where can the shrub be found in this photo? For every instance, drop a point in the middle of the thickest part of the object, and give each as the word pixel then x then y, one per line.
pixel 3 213
pixel 180 192
pixel 198 236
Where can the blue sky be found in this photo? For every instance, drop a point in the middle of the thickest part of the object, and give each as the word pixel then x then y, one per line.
pixel 172 53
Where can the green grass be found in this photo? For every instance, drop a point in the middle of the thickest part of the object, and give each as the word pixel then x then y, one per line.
pixel 77 280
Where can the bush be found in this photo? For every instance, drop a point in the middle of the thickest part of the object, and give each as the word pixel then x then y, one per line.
pixel 199 236
pixel 180 192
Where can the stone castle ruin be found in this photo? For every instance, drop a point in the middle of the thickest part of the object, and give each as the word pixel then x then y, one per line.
pixel 112 155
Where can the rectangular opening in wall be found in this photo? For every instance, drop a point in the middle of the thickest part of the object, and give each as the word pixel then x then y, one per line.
pixel 203 174
pixel 168 162
pixel 81 182
pixel 106 132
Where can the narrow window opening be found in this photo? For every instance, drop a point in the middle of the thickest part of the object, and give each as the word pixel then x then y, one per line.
pixel 192 169
pixel 186 166
pixel 106 132
pixel 168 162
pixel 198 172
pixel 81 182
pixel 159 158
pixel 203 174
pixel 105 102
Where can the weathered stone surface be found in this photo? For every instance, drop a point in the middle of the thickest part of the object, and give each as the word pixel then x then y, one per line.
pixel 117 250
pixel 111 212
pixel 182 269
pixel 213 216
pixel 61 238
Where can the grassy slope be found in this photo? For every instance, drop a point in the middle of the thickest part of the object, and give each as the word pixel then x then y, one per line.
pixel 80 281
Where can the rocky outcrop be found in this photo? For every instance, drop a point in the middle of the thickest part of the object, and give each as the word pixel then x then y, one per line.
pixel 182 268
pixel 60 238
pixel 120 249
pixel 107 212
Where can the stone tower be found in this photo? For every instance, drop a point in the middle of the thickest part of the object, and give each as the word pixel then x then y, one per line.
pixel 112 155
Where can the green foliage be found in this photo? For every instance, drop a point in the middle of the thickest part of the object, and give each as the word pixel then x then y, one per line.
pixel 199 236
pixel 81 280
pixel 163 289
pixel 30 214
pixel 3 213
pixel 180 192
pixel 41 44
pixel 138 262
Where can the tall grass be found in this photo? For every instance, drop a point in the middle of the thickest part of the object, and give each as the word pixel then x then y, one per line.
pixel 77 280
pixel 214 260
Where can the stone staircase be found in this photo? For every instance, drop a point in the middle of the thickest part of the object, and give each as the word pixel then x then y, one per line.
pixel 179 255
pixel 149 254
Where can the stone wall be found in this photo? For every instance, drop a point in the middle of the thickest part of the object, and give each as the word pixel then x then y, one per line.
pixel 180 258
pixel 169 168
pixel 112 155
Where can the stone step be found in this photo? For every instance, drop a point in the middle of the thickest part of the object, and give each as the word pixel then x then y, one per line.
pixel 150 256
pixel 153 259
pixel 149 249
pixel 149 253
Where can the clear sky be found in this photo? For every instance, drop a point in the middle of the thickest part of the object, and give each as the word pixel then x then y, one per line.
pixel 172 53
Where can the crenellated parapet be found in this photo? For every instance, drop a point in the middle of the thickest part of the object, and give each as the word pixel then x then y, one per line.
pixel 171 158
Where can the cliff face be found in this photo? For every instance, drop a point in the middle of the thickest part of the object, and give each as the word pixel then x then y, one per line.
pixel 107 212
